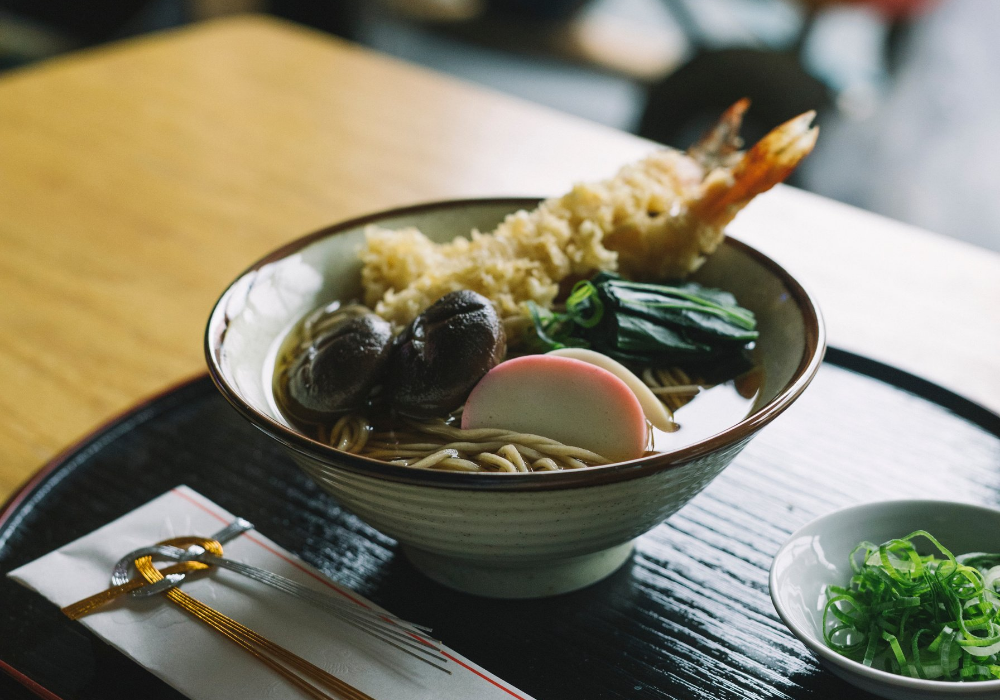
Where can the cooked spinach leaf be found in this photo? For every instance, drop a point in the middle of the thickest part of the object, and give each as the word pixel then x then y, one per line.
pixel 648 323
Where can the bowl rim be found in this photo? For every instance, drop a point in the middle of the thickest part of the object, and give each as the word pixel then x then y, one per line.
pixel 855 668
pixel 812 357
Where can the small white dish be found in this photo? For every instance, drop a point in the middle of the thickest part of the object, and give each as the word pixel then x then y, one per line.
pixel 816 556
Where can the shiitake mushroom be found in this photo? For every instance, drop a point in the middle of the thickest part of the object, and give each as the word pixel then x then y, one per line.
pixel 443 353
pixel 344 358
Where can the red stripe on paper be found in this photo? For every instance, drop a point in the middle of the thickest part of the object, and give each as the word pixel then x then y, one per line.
pixel 484 676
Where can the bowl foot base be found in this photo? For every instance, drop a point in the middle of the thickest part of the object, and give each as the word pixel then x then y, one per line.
pixel 523 579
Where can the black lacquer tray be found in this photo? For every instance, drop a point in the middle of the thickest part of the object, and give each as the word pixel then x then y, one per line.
pixel 688 617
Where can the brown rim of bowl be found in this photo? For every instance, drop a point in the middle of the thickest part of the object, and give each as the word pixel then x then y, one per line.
pixel 533 481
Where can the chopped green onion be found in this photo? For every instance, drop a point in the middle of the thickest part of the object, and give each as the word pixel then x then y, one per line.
pixel 924 616
pixel 585 295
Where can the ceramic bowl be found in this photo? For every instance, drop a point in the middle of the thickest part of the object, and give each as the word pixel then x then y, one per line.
pixel 501 535
pixel 817 556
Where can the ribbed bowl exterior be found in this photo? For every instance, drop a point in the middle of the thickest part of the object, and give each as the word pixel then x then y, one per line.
pixel 519 527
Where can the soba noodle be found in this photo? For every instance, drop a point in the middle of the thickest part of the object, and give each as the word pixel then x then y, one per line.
pixel 437 444
pixel 672 386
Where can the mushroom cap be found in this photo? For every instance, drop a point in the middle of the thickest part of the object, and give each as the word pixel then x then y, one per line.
pixel 339 367
pixel 443 353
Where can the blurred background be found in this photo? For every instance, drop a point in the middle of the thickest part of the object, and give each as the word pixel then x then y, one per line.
pixel 907 91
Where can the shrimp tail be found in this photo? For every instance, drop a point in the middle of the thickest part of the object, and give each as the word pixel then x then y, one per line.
pixel 771 160
pixel 722 143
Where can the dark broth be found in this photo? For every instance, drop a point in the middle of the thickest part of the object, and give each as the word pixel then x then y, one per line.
pixel 710 411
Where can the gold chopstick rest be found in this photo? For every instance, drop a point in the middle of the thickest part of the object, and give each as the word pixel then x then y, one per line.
pixel 98 600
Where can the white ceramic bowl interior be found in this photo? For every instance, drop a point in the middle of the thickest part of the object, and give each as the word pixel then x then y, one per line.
pixel 816 556
pixel 517 535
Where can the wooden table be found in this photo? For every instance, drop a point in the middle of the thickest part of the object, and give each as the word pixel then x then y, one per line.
pixel 137 180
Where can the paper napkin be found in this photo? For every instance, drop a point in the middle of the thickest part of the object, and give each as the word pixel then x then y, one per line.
pixel 202 664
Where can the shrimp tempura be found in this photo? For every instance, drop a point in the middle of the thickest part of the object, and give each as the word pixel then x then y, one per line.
pixel 656 220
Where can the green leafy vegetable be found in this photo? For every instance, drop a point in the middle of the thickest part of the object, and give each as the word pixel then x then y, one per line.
pixel 647 323
pixel 931 617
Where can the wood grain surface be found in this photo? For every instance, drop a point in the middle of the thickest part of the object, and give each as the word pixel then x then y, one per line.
pixel 137 180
